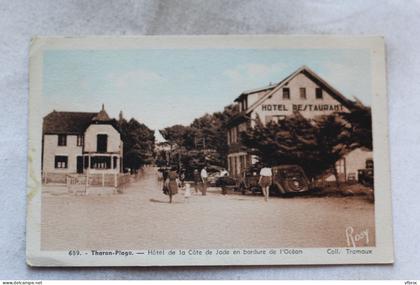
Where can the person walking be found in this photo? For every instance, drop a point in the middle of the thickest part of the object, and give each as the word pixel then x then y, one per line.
pixel 182 177
pixel 266 178
pixel 172 183
pixel 197 180
pixel 204 175
pixel 165 181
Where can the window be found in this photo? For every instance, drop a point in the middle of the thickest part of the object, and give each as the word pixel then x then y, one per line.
pixel 100 162
pixel 242 163
pixel 102 141
pixel 245 104
pixel 60 161
pixel 318 93
pixel 232 135
pixel 62 140
pixel 115 162
pixel 286 93
pixel 302 93
pixel 268 119
pixel 279 118
pixel 80 140
pixel 234 165
pixel 274 118
pixel 86 163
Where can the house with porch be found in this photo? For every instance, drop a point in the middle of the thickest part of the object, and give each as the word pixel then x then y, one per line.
pixel 80 143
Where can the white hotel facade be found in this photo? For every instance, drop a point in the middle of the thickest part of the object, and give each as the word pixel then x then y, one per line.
pixel 303 91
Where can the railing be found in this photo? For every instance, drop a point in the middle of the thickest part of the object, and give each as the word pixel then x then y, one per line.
pixel 54 178
pixel 80 183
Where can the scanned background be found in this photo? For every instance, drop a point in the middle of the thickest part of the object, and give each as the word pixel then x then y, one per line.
pixel 398 21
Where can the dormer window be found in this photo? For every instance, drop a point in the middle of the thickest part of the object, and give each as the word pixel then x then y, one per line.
pixel 62 140
pixel 80 140
pixel 101 143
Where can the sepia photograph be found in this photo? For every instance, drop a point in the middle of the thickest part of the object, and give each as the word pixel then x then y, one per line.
pixel 208 151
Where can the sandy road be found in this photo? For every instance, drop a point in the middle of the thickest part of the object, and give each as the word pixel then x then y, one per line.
pixel 141 218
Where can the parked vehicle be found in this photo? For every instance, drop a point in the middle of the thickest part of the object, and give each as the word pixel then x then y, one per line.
pixel 289 179
pixel 365 176
pixel 225 181
pixel 215 173
pixel 248 182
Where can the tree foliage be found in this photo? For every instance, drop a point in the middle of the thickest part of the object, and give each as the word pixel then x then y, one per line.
pixel 314 144
pixel 202 142
pixel 360 125
pixel 138 143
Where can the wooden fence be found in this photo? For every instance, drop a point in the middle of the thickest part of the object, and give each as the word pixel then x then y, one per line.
pixel 81 183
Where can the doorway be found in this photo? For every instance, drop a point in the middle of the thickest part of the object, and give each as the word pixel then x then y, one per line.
pixel 80 164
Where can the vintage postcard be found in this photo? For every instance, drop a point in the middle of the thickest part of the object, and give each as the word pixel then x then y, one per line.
pixel 208 150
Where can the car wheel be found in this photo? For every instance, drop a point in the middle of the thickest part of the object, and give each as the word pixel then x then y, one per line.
pixel 242 189
pixel 255 190
pixel 295 184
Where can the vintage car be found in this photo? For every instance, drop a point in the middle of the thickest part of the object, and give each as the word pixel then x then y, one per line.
pixel 225 181
pixel 248 182
pixel 289 179
pixel 215 173
pixel 365 176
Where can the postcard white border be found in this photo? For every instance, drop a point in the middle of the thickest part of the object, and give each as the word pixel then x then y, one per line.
pixel 382 252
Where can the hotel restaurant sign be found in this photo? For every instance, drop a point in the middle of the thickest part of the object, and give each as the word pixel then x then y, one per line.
pixel 302 107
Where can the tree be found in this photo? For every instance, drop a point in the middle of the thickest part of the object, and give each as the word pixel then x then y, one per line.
pixel 138 144
pixel 333 142
pixel 314 144
pixel 176 134
pixel 360 125
pixel 203 141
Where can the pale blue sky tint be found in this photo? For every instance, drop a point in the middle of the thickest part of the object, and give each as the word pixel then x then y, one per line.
pixel 172 86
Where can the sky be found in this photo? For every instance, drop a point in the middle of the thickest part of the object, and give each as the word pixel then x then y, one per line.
pixel 163 87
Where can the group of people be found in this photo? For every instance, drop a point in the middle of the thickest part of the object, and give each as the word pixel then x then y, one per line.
pixel 174 178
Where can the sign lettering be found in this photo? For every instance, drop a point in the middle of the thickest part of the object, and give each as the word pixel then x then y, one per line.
pixel 303 107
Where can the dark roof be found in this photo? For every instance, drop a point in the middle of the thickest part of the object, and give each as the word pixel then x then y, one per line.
pixel 102 116
pixel 247 92
pixel 244 115
pixel 237 119
pixel 67 122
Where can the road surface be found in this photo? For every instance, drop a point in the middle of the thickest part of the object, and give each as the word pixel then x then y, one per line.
pixel 142 218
